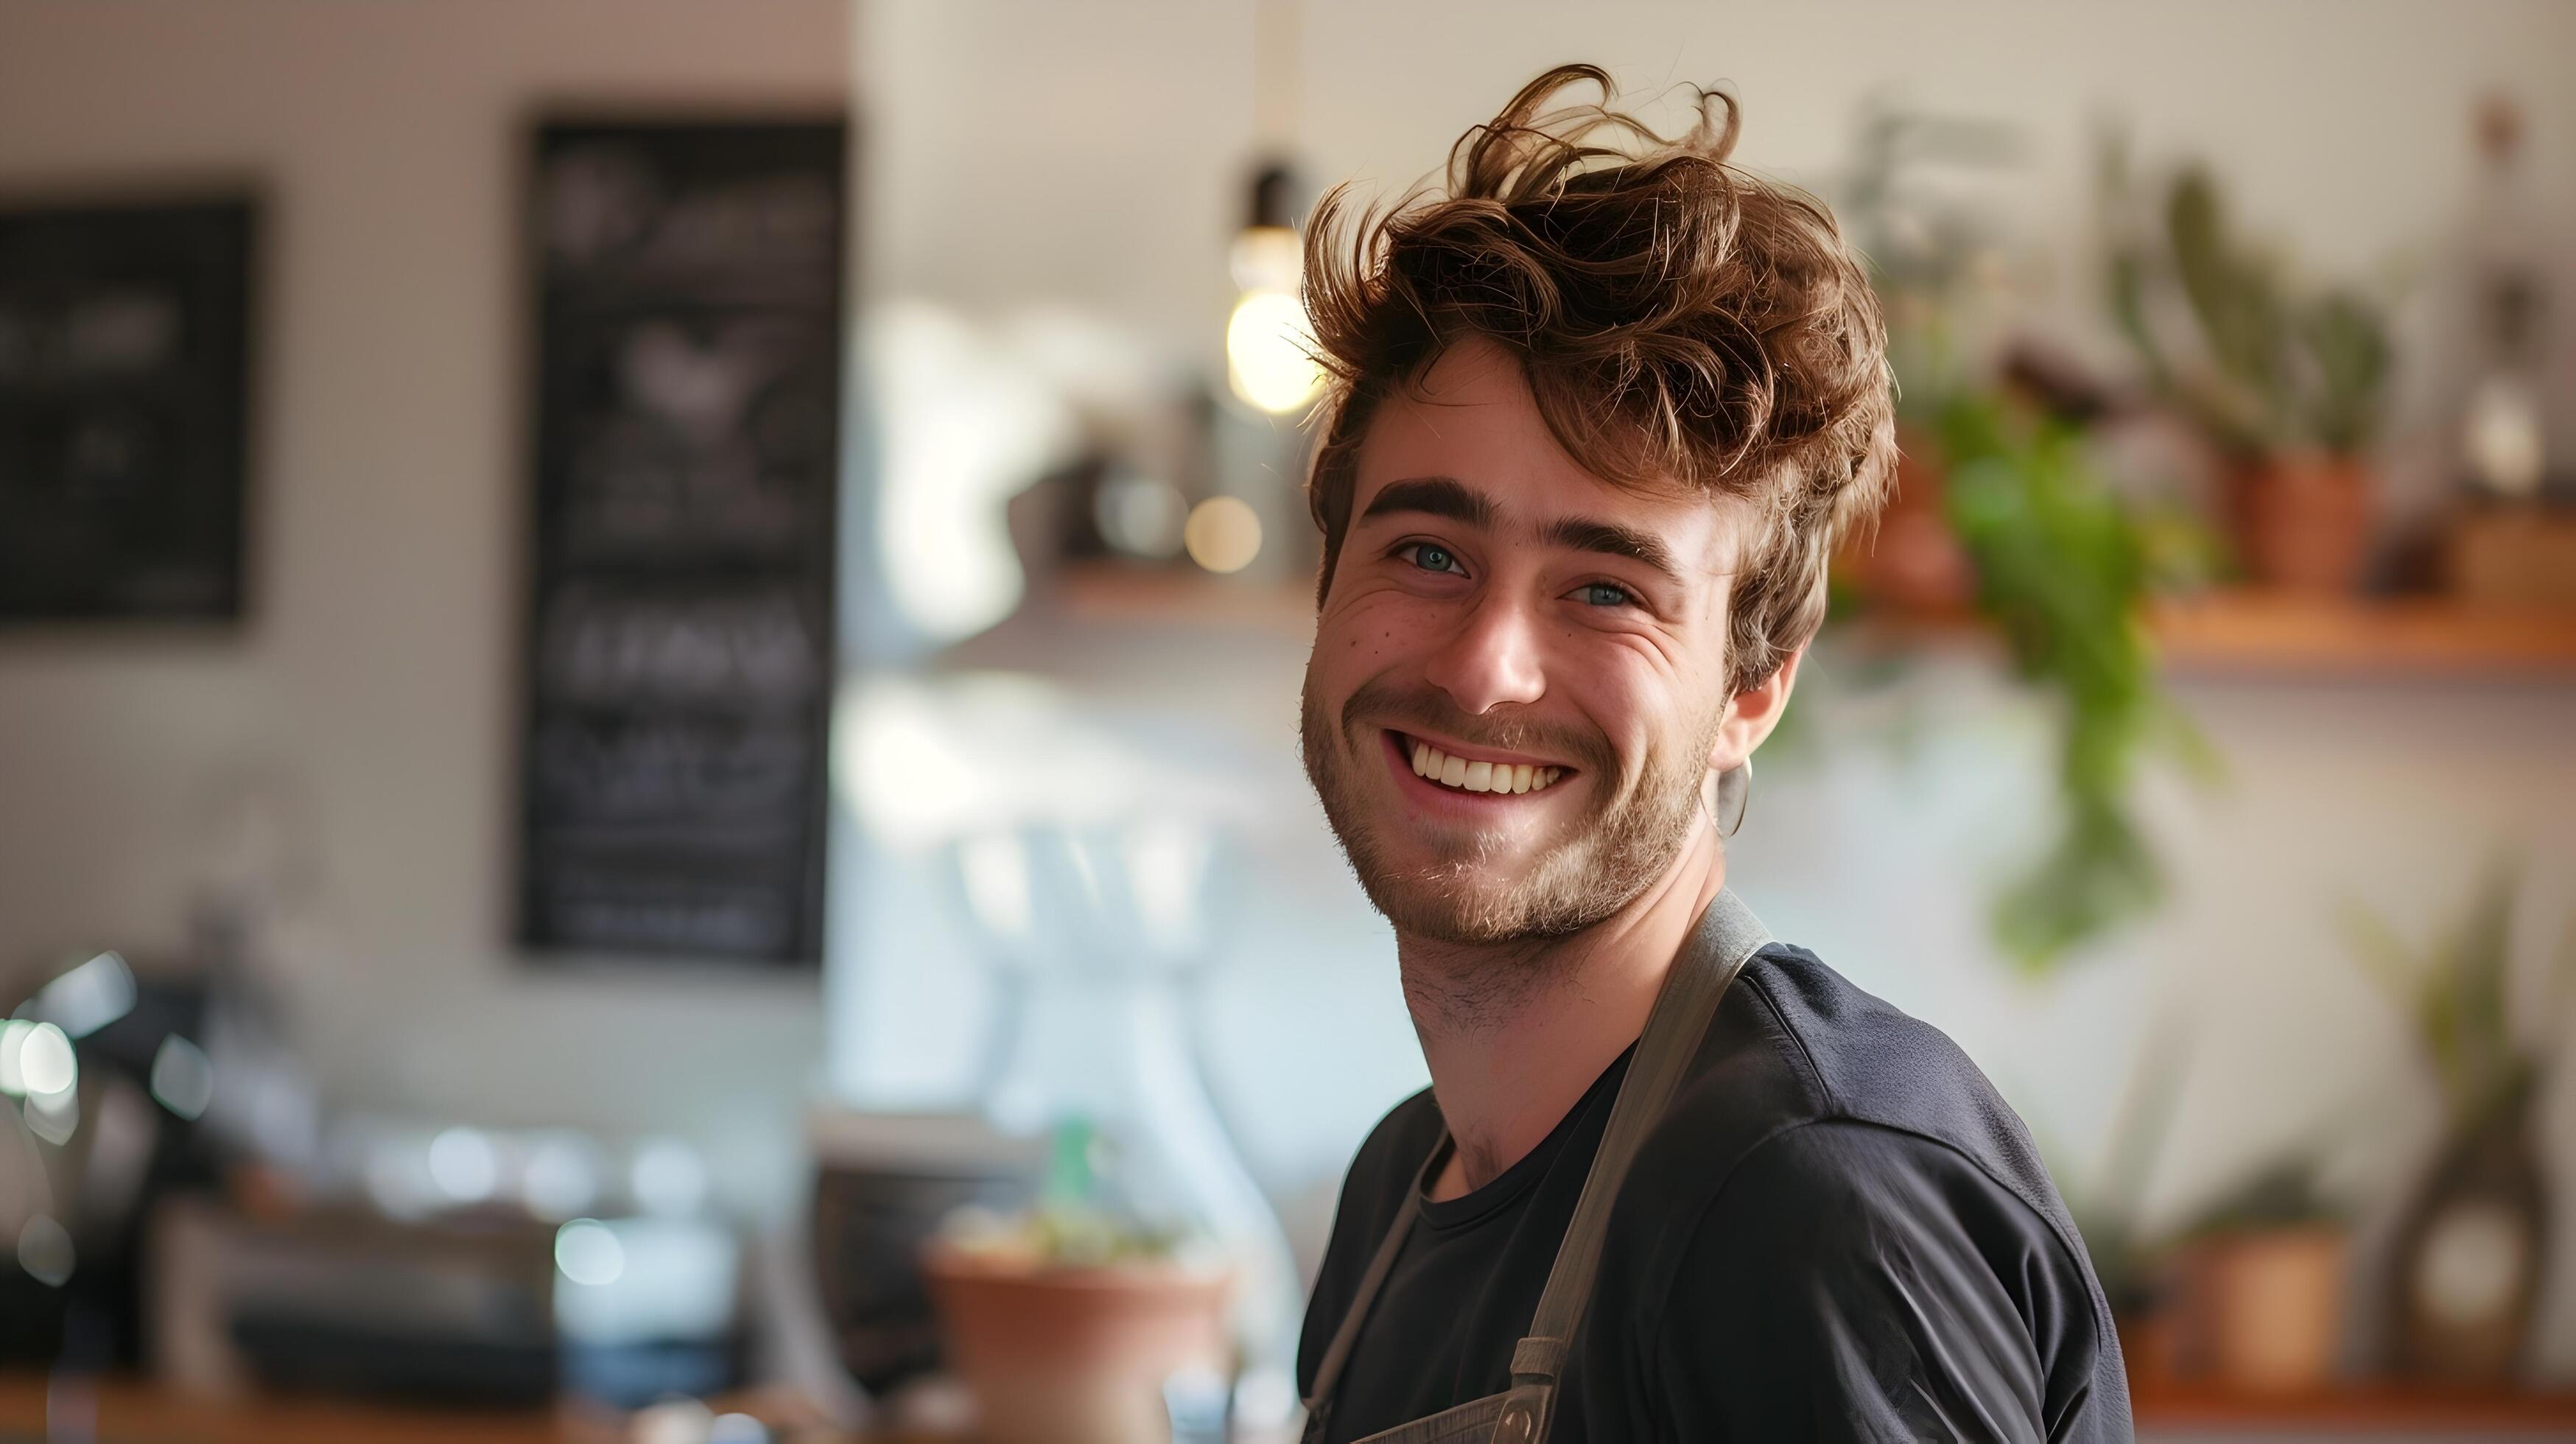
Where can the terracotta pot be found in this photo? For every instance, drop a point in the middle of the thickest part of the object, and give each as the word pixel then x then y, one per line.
pixel 2263 1309
pixel 2304 522
pixel 1074 1355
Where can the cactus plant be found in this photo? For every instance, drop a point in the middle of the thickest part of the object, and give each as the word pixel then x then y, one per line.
pixel 2275 369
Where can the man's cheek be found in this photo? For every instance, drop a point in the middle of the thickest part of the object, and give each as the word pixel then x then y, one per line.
pixel 1369 632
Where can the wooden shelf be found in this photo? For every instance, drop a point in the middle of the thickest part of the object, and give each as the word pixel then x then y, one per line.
pixel 2238 633
pixel 140 1411
pixel 2253 634
pixel 2247 632
pixel 2335 1412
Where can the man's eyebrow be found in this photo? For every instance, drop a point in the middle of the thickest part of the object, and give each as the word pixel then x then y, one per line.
pixel 1579 534
pixel 1434 496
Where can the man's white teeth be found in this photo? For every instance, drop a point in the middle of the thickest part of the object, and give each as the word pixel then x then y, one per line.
pixel 1448 771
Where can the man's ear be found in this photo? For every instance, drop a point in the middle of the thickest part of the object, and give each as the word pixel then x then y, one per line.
pixel 1752 714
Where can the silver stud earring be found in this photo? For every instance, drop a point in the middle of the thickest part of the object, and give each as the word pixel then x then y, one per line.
pixel 1734 795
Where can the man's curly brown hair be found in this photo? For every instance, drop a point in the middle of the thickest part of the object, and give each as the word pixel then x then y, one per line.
pixel 1680 323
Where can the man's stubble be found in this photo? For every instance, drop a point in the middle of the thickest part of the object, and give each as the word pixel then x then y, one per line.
pixel 1606 858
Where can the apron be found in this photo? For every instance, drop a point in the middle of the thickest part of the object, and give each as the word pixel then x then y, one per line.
pixel 1727 934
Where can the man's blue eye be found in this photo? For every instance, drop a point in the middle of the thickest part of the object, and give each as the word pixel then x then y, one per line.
pixel 1602 594
pixel 1434 559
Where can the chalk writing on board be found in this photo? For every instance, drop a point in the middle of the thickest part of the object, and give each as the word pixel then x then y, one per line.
pixel 124 379
pixel 680 645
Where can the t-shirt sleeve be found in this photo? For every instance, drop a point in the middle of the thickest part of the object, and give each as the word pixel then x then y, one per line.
pixel 1856 1282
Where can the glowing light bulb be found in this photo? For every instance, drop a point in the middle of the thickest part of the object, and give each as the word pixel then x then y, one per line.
pixel 1267 361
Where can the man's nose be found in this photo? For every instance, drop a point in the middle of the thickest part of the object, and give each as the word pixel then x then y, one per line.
pixel 1492 660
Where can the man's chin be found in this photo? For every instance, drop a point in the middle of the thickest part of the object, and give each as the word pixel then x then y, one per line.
pixel 1472 903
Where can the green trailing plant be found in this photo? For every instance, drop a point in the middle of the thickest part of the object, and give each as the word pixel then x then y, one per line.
pixel 2062 570
pixel 2272 368
pixel 2062 564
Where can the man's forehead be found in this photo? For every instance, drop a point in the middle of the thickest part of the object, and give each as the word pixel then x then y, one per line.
pixel 1471 418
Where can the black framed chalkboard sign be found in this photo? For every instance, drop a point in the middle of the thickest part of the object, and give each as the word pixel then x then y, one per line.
pixel 688 305
pixel 125 354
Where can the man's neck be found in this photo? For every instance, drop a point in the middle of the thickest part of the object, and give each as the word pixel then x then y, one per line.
pixel 1515 1033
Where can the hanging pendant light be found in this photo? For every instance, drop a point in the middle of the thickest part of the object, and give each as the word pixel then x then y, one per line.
pixel 1269 360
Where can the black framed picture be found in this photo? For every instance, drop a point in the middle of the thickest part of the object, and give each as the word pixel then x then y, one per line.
pixel 679 656
pixel 124 409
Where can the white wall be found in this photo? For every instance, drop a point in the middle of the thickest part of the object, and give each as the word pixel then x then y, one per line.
pixel 374 681
pixel 1096 153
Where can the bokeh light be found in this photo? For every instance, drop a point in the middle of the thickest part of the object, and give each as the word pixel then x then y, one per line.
pixel 1224 534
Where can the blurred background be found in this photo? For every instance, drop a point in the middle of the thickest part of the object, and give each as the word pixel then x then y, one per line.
pixel 644 645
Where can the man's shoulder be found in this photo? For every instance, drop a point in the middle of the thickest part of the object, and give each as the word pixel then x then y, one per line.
pixel 1796 1055
pixel 1829 1153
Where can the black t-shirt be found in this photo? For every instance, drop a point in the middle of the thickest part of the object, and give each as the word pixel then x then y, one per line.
pixel 1838 1231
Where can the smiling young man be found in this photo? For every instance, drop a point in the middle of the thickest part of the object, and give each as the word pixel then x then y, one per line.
pixel 1601 410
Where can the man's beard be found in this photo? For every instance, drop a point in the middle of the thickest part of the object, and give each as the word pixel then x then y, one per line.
pixel 1601 863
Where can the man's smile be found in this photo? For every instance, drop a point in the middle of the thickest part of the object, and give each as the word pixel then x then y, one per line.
pixel 1453 769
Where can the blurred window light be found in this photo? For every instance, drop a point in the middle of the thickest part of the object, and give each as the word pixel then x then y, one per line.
pixel 1224 534
pixel 45 1062
pixel 1140 515
pixel 13 1041
pixel 1265 1397
pixel 646 1280
pixel 183 1078
pixel 54 1117
pixel 926 763
pixel 995 871
pixel 560 1179
pixel 45 1251
pixel 588 1253
pixel 464 1165
pixel 668 1179
pixel 89 997
pixel 1268 355
pixel 962 426
pixel 1167 868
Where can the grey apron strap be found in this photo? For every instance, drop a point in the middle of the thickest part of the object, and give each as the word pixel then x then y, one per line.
pixel 1727 935
pixel 1328 1372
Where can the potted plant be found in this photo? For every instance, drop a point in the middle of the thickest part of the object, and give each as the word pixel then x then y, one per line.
pixel 2288 385
pixel 1071 1324
pixel 2474 1242
pixel 2258 1285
